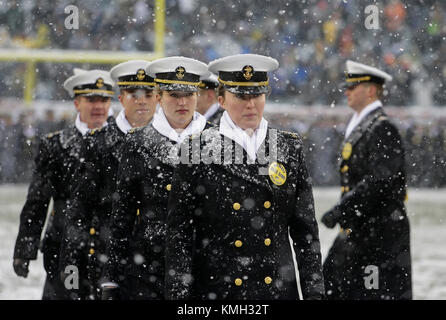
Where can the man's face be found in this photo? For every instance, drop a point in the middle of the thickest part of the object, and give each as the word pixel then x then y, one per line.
pixel 139 105
pixel 206 97
pixel 93 110
pixel 357 96
pixel 179 107
pixel 245 110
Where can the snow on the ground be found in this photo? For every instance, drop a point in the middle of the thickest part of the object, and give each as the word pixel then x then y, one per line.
pixel 427 215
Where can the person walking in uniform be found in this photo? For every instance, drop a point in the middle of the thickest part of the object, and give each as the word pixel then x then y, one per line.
pixel 135 252
pixel 87 231
pixel 53 177
pixel 370 258
pixel 207 103
pixel 229 219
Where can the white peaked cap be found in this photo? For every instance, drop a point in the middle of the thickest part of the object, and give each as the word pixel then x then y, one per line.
pixel 128 68
pixel 238 61
pixel 354 67
pixel 97 82
pixel 170 64
pixel 212 77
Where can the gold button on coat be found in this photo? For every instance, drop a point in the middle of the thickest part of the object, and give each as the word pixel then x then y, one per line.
pixel 91 251
pixel 169 187
pixel 92 231
pixel 267 242
pixel 238 282
pixel 236 206
pixel 238 243
pixel 268 280
pixel 267 204
pixel 344 169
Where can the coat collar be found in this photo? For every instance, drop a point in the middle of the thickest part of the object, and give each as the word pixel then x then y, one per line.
pixel 122 122
pixel 69 137
pixel 256 172
pixel 159 146
pixel 360 130
pixel 363 126
pixel 113 137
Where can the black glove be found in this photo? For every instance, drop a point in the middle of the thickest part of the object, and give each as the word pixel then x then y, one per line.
pixel 110 293
pixel 21 267
pixel 329 219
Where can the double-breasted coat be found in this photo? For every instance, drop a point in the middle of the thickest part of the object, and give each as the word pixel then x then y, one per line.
pixel 53 177
pixel 375 233
pixel 87 230
pixel 137 230
pixel 229 224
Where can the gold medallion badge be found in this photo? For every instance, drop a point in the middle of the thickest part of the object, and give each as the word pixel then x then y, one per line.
pixel 99 82
pixel 347 151
pixel 247 72
pixel 140 74
pixel 277 173
pixel 180 72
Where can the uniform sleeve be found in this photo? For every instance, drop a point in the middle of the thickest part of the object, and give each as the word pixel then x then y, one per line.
pixel 386 164
pixel 305 236
pixel 84 198
pixel 124 212
pixel 34 212
pixel 180 234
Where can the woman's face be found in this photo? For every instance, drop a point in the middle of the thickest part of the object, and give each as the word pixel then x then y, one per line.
pixel 179 107
pixel 246 110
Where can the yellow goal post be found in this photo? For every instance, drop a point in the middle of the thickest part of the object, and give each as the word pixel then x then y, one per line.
pixel 33 56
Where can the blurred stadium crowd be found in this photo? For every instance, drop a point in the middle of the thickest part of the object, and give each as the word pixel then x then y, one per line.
pixel 310 38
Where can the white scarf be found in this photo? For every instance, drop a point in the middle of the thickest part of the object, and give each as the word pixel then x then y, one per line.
pixel 122 122
pixel 82 126
pixel 212 110
pixel 251 144
pixel 161 125
pixel 358 117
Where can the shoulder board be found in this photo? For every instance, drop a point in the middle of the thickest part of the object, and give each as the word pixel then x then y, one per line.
pixel 52 134
pixel 96 130
pixel 136 129
pixel 291 134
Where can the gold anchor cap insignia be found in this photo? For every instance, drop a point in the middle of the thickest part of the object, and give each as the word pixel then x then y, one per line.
pixel 180 72
pixel 248 72
pixel 140 74
pixel 99 82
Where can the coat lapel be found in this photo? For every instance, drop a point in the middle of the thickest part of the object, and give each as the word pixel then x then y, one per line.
pixel 70 141
pixel 160 147
pixel 113 138
pixel 357 133
pixel 257 172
